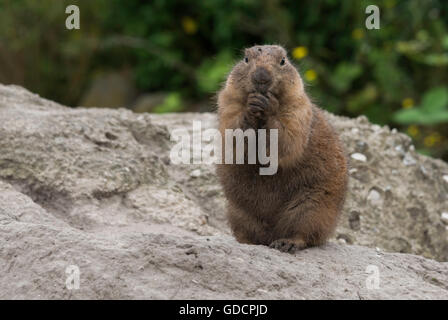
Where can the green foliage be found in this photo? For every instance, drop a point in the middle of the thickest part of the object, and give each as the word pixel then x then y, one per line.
pixel 432 110
pixel 172 103
pixel 343 76
pixel 38 52
pixel 187 48
pixel 213 71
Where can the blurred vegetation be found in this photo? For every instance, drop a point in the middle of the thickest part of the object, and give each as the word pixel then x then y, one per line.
pixel 396 75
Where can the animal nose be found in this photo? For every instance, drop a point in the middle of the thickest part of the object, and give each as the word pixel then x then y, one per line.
pixel 261 76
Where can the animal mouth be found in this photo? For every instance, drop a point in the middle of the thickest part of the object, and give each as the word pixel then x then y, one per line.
pixel 262 79
pixel 263 88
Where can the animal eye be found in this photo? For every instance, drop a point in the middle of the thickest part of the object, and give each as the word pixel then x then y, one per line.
pixel 282 62
pixel 246 59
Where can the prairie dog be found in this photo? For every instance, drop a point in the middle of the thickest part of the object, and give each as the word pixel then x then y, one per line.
pixel 299 206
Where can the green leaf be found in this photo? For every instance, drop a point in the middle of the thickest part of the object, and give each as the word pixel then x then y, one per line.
pixel 408 116
pixel 172 103
pixel 344 75
pixel 434 118
pixel 435 99
pixel 420 116
pixel 434 59
pixel 213 71
pixel 445 42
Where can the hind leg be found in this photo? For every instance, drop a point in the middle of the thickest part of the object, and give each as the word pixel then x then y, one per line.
pixel 307 221
pixel 247 228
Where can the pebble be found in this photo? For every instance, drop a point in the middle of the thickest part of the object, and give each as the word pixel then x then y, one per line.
pixel 445 177
pixel 362 119
pixel 399 149
pixel 361 146
pixel 359 157
pixel 444 217
pixel 408 160
pixel 374 197
pixel 195 173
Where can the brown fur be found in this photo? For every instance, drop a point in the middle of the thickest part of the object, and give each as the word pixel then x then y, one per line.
pixel 298 206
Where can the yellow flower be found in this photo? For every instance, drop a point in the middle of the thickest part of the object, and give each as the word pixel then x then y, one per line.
pixel 299 52
pixel 310 75
pixel 413 131
pixel 357 34
pixel 407 103
pixel 390 3
pixel 432 139
pixel 189 25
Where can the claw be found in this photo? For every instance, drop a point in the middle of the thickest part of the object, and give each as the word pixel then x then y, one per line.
pixel 287 245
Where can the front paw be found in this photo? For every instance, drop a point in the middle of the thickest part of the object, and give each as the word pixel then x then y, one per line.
pixel 257 105
pixel 256 111
pixel 288 245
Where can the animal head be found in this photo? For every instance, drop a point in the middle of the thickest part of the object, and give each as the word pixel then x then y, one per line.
pixel 265 69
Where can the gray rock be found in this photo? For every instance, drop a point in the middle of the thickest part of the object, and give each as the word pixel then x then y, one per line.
pixel 404 206
pixel 135 264
pixel 94 188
